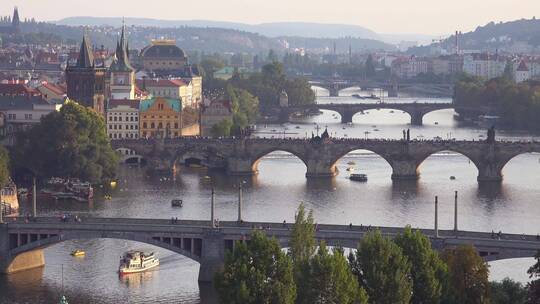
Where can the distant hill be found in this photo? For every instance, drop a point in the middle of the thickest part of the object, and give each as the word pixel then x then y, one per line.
pixel 276 29
pixel 520 36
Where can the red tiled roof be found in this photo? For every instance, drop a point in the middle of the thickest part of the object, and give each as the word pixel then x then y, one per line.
pixel 134 103
pixel 16 89
pixel 523 66
pixel 57 89
pixel 161 83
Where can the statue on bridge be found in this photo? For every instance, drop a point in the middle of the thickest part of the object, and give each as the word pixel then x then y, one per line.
pixel 491 135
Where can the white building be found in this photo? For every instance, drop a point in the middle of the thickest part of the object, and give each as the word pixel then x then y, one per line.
pixel 409 67
pixel 123 119
pixel 484 65
pixel 21 112
pixel 522 72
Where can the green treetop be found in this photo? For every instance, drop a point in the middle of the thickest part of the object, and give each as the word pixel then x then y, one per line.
pixel 428 271
pixel 382 270
pixel 331 280
pixel 533 286
pixel 4 166
pixel 69 143
pixel 256 273
pixel 468 275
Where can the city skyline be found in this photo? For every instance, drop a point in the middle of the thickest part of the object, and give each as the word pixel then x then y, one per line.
pixel 413 17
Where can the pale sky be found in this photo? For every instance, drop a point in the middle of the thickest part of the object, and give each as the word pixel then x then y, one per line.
pixel 382 16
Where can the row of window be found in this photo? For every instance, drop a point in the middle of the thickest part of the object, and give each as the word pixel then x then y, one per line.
pixel 119 136
pixel 159 125
pixel 119 127
pixel 153 134
pixel 160 117
pixel 13 116
pixel 119 118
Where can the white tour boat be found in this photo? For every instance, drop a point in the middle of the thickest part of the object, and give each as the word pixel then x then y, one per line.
pixel 137 261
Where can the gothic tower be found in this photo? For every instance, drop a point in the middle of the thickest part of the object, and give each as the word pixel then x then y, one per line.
pixel 16 22
pixel 122 83
pixel 86 81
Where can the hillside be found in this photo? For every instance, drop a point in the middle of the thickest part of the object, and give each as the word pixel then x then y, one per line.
pixel 275 29
pixel 520 36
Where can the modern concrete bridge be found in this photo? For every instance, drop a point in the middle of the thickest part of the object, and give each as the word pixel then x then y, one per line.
pixel 22 242
pixel 348 110
pixel 241 156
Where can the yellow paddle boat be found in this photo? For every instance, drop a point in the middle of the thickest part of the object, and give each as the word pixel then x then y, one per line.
pixel 78 253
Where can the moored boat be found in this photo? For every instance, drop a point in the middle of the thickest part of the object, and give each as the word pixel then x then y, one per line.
pixel 177 203
pixel 137 261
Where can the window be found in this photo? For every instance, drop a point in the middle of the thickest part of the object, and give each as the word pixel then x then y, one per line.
pixel 120 118
pixel 160 125
pixel 110 127
pixel 176 125
pixel 144 125
pixel 136 118
pixel 110 118
pixel 175 134
pixel 152 125
pixel 115 118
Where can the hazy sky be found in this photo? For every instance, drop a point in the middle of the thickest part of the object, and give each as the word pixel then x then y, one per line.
pixel 384 16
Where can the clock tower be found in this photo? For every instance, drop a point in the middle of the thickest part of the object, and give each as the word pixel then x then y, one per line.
pixel 122 74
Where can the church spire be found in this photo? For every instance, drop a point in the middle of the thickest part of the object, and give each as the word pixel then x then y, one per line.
pixel 86 56
pixel 122 59
pixel 15 21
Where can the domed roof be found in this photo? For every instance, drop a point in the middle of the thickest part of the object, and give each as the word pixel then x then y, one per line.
pixel 163 50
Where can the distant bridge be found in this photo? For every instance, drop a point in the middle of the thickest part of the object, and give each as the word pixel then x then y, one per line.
pixel 21 242
pixel 348 110
pixel 335 85
pixel 241 156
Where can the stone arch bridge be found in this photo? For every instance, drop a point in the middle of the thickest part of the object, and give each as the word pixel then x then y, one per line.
pixel 348 110
pixel 21 242
pixel 241 156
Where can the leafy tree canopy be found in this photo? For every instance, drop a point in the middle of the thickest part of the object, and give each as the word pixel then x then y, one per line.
pixel 69 143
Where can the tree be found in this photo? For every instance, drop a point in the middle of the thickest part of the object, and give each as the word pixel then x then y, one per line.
pixel 258 272
pixel 508 292
pixel 69 143
pixel 302 247
pixel 222 128
pixel 370 67
pixel 4 166
pixel 468 275
pixel 428 271
pixel 299 92
pixel 533 287
pixel 382 270
pixel 331 281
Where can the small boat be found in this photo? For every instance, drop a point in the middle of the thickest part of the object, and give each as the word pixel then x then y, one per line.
pixel 351 163
pixel 376 130
pixel 177 203
pixel 78 253
pixel 137 261
pixel 374 126
pixel 343 128
pixel 297 127
pixel 392 111
pixel 452 177
pixel 358 177
pixel 436 122
pixel 350 169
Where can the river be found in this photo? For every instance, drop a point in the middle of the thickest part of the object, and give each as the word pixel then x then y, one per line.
pixel 274 194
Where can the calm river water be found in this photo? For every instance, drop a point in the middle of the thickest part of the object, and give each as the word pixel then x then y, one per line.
pixel 274 194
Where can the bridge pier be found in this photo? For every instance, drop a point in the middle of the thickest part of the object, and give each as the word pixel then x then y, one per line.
pixel 333 92
pixel 241 166
pixel 212 255
pixel 346 116
pixel 416 118
pixel 404 170
pixel 317 169
pixel 489 173
pixel 24 261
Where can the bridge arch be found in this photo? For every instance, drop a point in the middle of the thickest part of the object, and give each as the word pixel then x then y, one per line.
pixel 509 159
pixel 348 151
pixel 365 117
pixel 472 159
pixel 188 247
pixel 254 162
